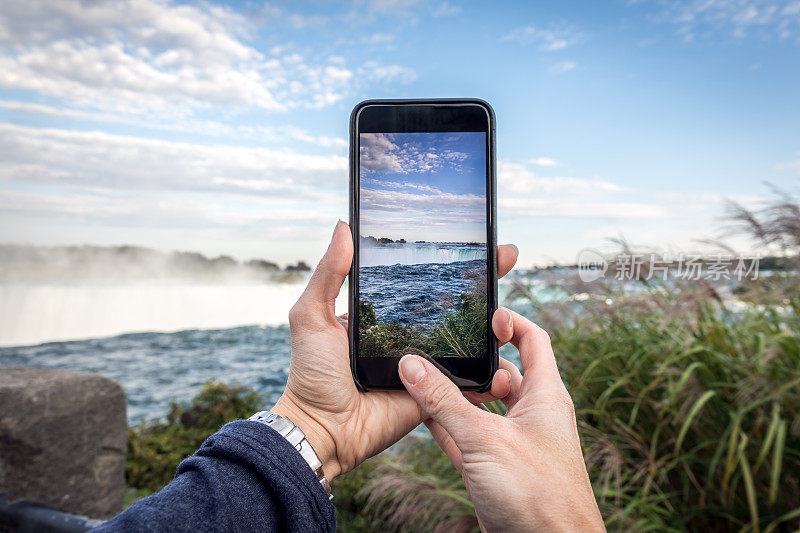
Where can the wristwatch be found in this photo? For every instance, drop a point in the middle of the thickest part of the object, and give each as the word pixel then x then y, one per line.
pixel 296 438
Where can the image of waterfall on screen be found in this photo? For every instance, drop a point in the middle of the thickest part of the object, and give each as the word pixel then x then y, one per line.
pixel 422 245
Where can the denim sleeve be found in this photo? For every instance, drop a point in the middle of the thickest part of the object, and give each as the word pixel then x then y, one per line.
pixel 245 477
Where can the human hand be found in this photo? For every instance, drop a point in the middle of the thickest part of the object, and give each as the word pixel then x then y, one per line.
pixel 344 425
pixel 523 471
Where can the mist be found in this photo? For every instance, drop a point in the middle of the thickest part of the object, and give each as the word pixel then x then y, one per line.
pixel 77 292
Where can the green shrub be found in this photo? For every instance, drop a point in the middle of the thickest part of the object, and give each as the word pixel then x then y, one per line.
pixel 156 449
pixel 366 315
pixel 389 340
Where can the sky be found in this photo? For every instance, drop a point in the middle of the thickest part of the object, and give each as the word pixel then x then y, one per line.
pixel 222 127
pixel 423 186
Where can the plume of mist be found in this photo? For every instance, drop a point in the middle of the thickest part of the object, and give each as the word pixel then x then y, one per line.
pixel 121 264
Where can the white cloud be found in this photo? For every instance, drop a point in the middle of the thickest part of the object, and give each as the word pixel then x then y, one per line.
pixel 80 159
pixel 379 38
pixel 387 73
pixel 65 186
pixel 548 39
pixel 543 162
pixel 378 153
pixel 272 134
pixel 518 179
pixel 740 18
pixel 157 57
pixel 789 165
pixel 440 203
pixel 565 66
pixel 381 152
pixel 424 213
pixel 523 193
pixel 445 9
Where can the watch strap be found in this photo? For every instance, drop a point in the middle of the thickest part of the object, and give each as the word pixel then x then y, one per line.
pixel 297 439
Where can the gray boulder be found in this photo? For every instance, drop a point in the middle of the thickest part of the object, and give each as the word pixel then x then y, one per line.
pixel 63 438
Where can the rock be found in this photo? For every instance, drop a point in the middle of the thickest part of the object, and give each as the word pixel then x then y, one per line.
pixel 63 439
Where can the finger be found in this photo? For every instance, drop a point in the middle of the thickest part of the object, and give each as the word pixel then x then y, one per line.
pixel 509 399
pixel 501 386
pixel 446 443
pixel 515 383
pixel 535 352
pixel 507 255
pixel 438 397
pixel 502 325
pixel 324 285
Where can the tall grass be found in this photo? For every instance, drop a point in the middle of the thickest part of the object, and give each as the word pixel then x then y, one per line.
pixel 689 421
pixel 412 487
pixel 687 396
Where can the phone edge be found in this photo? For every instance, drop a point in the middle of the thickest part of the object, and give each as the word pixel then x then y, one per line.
pixel 352 310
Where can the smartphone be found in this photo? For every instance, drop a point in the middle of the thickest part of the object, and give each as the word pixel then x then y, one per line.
pixel 422 214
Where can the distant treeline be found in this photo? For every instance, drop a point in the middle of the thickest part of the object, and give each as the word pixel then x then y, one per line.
pixel 25 263
pixel 381 240
pixel 374 241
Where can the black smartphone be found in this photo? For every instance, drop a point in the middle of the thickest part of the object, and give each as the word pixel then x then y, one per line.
pixel 422 213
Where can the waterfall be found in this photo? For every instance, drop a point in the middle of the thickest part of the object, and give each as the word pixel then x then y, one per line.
pixel 35 313
pixel 418 253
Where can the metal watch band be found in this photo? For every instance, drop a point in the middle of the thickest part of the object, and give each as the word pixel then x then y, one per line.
pixel 296 438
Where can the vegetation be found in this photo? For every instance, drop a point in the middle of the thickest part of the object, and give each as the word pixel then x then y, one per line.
pixel 460 332
pixel 412 487
pixel 154 450
pixel 687 397
pixel 689 410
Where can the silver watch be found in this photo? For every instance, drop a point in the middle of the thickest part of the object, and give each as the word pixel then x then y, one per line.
pixel 296 438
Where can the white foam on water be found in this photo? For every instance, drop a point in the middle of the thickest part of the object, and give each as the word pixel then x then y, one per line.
pixel 417 253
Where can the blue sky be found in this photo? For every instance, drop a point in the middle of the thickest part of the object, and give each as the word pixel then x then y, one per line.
pixel 223 127
pixel 423 186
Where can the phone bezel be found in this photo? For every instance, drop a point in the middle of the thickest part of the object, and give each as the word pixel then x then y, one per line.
pixel 388 116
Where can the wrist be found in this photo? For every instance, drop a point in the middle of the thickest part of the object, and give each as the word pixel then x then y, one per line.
pixel 317 435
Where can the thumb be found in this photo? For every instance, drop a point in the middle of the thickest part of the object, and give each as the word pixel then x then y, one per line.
pixel 438 397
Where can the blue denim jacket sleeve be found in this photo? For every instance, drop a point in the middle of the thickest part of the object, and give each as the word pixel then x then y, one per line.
pixel 245 477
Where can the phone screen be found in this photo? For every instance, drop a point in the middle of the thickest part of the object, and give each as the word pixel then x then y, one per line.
pixel 422 253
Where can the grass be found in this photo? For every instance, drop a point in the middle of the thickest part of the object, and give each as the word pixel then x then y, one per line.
pixel 411 487
pixel 690 419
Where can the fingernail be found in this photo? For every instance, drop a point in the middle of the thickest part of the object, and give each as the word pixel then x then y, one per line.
pixel 514 246
pixel 412 368
pixel 339 223
pixel 510 320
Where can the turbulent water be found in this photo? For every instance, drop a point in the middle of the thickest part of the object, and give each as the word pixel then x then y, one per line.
pixel 415 293
pixel 155 368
